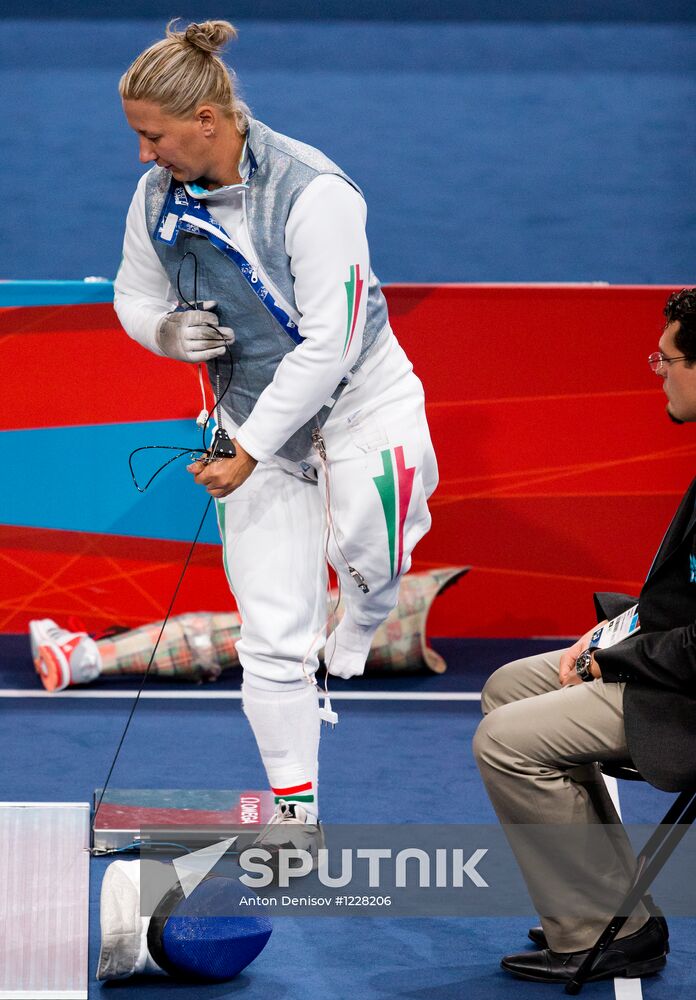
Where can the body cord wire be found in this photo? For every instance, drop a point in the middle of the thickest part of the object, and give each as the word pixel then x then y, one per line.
pixel 151 661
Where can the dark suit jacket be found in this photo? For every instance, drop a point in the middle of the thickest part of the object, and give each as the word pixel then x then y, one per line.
pixel 658 664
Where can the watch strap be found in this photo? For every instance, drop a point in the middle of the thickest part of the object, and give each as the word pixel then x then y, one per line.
pixel 583 666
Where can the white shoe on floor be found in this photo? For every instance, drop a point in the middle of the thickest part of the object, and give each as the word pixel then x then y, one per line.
pixel 61 657
pixel 293 828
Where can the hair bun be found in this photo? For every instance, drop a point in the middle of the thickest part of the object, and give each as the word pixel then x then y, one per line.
pixel 209 36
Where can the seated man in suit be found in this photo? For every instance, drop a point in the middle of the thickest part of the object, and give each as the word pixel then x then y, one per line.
pixel 549 717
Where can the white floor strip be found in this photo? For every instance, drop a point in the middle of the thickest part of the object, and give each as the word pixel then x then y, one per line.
pixel 624 989
pixel 44 900
pixel 236 695
pixel 628 989
pixel 42 995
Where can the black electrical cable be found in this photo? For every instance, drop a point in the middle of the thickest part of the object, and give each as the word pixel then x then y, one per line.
pixel 158 447
pixel 151 661
pixel 194 305
pixel 204 450
pixel 216 402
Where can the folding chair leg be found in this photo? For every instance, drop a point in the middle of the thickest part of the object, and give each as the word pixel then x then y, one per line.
pixel 651 861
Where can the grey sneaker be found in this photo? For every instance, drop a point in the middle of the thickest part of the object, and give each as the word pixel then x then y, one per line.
pixel 291 828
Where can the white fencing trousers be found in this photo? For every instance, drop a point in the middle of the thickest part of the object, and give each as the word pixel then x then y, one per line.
pixel 381 468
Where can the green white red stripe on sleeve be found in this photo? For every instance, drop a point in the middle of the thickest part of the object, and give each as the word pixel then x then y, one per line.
pixel 395 487
pixel 354 287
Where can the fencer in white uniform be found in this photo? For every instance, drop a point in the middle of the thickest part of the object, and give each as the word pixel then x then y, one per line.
pixel 357 494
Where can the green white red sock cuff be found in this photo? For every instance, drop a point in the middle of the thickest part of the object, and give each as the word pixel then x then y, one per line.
pixel 295 793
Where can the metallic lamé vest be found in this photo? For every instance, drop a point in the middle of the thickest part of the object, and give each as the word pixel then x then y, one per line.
pixel 285 168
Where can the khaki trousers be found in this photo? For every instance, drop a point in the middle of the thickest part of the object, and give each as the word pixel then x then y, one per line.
pixel 537 749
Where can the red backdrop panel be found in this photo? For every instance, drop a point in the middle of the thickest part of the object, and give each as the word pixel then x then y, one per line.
pixel 559 470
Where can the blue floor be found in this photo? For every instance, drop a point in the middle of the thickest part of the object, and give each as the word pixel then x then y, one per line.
pixel 386 762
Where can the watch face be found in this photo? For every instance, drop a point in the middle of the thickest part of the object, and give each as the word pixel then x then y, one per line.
pixel 583 665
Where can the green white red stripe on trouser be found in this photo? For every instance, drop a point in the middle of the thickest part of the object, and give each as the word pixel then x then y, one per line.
pixel 381 470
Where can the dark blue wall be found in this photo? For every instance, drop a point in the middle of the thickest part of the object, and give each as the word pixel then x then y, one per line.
pixel 487 152
pixel 367 10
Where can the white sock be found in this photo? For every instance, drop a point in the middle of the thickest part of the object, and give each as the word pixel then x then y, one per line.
pixel 286 725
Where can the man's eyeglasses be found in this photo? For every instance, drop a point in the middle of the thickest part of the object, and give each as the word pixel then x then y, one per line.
pixel 658 361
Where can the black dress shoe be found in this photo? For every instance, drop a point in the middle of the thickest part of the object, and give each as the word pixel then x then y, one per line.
pixel 639 954
pixel 536 934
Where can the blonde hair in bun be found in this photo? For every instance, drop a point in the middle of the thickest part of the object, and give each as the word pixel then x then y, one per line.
pixel 210 36
pixel 184 70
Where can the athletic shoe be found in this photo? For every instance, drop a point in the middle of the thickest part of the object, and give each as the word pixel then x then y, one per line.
pixel 62 658
pixel 290 828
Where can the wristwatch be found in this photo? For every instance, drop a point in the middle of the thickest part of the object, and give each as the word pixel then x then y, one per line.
pixel 583 666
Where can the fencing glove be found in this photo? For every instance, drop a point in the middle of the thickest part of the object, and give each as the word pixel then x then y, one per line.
pixel 193 335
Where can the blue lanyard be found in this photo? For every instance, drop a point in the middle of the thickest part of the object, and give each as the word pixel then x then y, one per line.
pixel 184 213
